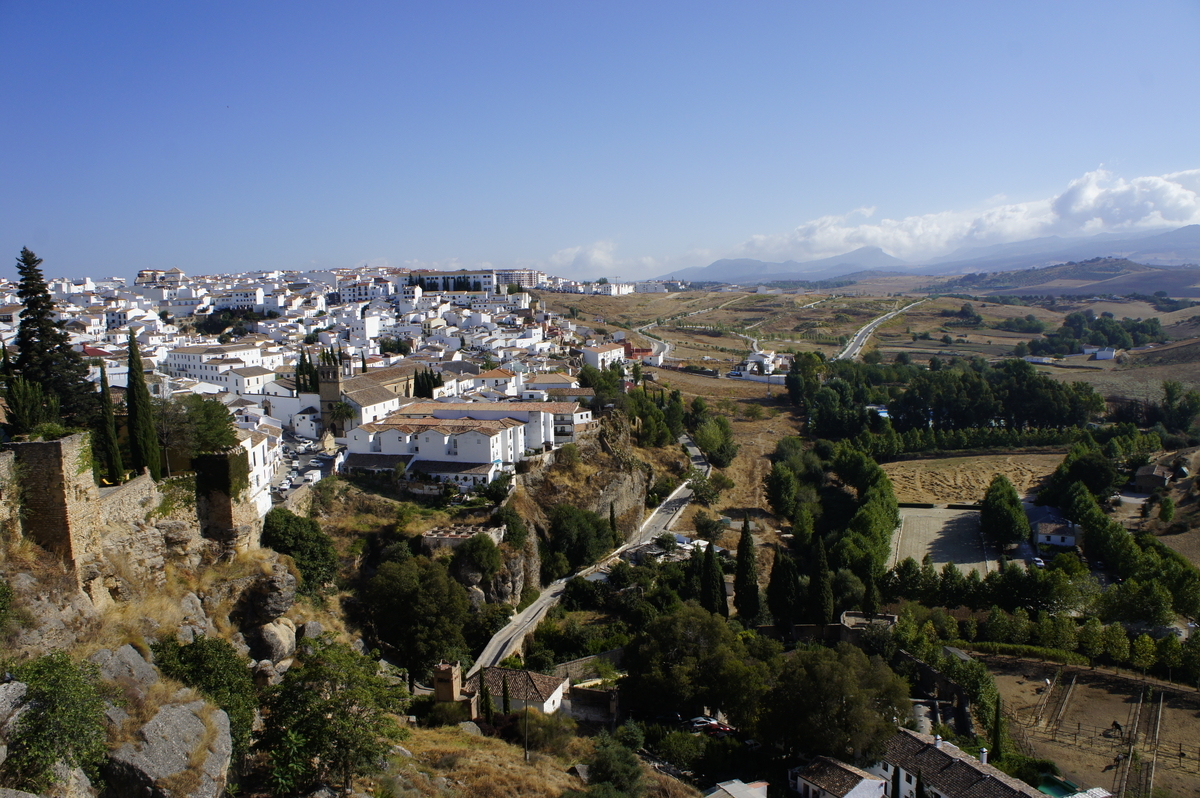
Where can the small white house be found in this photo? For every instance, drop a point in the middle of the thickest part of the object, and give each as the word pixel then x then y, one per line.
pixel 525 688
pixel 828 778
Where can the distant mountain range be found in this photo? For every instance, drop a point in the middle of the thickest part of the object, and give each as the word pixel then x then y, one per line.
pixel 1172 248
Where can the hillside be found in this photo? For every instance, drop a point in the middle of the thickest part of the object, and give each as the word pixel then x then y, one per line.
pixel 749 270
pixel 1082 274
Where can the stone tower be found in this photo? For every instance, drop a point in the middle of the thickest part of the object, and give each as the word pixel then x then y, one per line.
pixel 330 373
pixel 447 682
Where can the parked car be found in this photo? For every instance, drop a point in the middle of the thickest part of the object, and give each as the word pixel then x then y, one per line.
pixel 1039 562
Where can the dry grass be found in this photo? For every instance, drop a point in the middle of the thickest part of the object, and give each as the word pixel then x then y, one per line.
pixel 965 479
pixel 486 767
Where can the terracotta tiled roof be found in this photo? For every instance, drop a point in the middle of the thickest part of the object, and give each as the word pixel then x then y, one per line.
pixel 950 770
pixel 835 777
pixel 522 685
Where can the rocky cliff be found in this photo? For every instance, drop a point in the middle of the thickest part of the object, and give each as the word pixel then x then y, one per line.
pixel 609 475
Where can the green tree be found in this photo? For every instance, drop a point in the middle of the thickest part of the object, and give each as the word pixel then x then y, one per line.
pixel 303 540
pixel 820 589
pixel 745 581
pixel 106 435
pixel 1002 517
pixel 712 583
pixel 1091 638
pixel 213 666
pixel 1144 653
pixel 506 697
pixel 486 707
pixel 63 721
pixel 418 611
pixel 45 356
pixel 997 733
pixel 838 703
pixel 331 717
pixel 28 405
pixel 1116 643
pixel 783 591
pixel 1166 510
pixel 209 426
pixel 1170 654
pixel 613 763
pixel 143 441
pixel 479 554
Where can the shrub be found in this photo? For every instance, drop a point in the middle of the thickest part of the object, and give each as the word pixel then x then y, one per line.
pixel 64 721
pixel 302 540
pixel 1029 652
pixel 212 666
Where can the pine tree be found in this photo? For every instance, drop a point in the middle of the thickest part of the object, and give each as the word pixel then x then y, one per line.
pixel 712 584
pixel 45 356
pixel 143 442
pixel 783 591
pixel 745 580
pixel 106 435
pixel 820 591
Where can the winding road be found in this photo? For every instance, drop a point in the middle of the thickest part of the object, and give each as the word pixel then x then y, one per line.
pixel 508 639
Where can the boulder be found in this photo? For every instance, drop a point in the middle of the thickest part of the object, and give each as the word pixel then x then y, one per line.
pixel 310 630
pixel 12 695
pixel 125 667
pixel 271 595
pixel 7 793
pixel 238 641
pixel 277 640
pixel 265 674
pixel 182 752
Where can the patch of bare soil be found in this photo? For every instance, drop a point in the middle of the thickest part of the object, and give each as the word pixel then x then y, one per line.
pixel 949 480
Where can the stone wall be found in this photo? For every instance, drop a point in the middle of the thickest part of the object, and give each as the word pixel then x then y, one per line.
pixel 299 501
pixel 61 504
pixel 10 494
pixel 232 520
pixel 131 502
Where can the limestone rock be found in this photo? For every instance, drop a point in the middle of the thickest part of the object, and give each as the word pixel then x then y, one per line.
pixel 71 783
pixel 310 630
pixel 277 640
pixel 12 695
pixel 158 764
pixel 125 667
pixel 265 674
pixel 7 793
pixel 238 641
pixel 272 595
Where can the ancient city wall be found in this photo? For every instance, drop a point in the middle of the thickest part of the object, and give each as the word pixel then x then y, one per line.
pixel 129 503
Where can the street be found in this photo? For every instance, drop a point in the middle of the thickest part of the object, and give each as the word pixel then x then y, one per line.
pixel 861 337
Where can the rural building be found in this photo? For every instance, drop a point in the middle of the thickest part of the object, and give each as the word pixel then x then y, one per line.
pixel 525 688
pixel 603 356
pixel 452 537
pixel 946 770
pixel 825 777
pixel 1056 534
pixel 1150 478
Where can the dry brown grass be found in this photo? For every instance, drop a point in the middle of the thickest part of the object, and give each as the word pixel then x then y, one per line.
pixel 965 479
pixel 486 767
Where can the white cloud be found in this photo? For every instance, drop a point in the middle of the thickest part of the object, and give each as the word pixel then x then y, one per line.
pixel 1097 202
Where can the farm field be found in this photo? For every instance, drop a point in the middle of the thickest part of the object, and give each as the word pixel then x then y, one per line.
pixel 1078 733
pixel 633 310
pixel 955 480
pixel 946 536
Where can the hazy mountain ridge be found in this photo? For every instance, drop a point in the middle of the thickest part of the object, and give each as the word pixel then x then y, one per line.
pixel 1170 248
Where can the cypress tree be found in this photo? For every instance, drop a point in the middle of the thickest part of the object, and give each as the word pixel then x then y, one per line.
pixel 364 361
pixel 612 523
pixel 485 698
pixel 106 435
pixel 783 591
pixel 745 580
pixel 45 356
pixel 870 604
pixel 143 443
pixel 712 584
pixel 895 782
pixel 820 591
pixel 505 697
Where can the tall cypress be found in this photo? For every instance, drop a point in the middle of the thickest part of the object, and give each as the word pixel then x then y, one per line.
pixel 820 591
pixel 870 605
pixel 486 707
pixel 997 735
pixel 143 442
pixel 505 697
pixel 712 584
pixel 783 591
pixel 745 580
pixel 106 435
pixel 45 356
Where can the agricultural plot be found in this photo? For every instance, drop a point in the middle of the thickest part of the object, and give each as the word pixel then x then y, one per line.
pixel 1103 729
pixel 964 480
pixel 945 535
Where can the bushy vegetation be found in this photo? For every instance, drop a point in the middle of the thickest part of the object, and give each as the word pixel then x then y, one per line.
pixel 1085 327
pixel 576 538
pixel 63 721
pixel 212 666
pixel 303 541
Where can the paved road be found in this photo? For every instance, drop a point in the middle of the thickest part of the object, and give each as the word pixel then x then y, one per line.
pixel 861 337
pixel 509 638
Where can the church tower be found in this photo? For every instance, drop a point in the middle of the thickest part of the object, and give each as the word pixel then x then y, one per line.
pixel 329 374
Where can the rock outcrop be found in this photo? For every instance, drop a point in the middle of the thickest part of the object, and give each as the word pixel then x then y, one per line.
pixel 126 668
pixel 183 751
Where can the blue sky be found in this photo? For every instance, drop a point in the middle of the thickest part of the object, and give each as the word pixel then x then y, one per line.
pixel 618 139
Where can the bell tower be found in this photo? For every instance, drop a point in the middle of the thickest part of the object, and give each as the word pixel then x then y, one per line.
pixel 329 375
